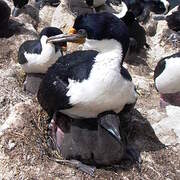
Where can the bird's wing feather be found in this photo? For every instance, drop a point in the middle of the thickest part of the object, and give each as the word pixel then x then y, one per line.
pixel 54 87
pixel 28 47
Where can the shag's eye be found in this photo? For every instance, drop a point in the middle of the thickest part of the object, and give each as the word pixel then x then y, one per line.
pixel 82 32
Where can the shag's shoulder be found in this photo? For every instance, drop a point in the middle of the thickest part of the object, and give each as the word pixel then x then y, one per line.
pixel 162 64
pixel 77 57
pixel 76 66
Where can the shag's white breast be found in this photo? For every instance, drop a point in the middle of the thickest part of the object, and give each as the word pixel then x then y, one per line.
pixel 104 90
pixel 39 63
pixel 169 80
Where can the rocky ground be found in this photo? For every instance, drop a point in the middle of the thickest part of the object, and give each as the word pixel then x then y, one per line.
pixel 24 153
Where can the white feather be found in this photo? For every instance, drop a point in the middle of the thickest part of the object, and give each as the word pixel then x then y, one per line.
pixel 166 4
pixel 169 80
pixel 39 63
pixel 105 89
pixel 123 12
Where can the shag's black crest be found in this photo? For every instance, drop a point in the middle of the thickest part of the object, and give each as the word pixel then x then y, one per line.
pixel 104 26
pixel 50 31
pixel 20 3
pixel 53 31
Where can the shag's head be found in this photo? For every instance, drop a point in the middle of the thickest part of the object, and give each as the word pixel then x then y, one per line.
pixel 160 6
pixel 18 5
pixel 53 31
pixel 95 28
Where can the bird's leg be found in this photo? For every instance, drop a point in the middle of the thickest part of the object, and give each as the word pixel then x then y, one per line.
pixel 163 103
pixel 59 125
pixel 56 133
pixel 78 165
pixel 133 155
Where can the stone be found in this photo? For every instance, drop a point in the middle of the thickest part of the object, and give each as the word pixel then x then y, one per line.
pixel 141 82
pixel 11 145
pixel 32 83
pixel 19 113
pixel 168 129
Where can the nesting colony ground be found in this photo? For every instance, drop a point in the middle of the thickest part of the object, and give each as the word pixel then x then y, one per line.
pixel 24 153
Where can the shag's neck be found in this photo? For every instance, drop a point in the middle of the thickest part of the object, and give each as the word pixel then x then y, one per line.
pixel 103 46
pixel 110 50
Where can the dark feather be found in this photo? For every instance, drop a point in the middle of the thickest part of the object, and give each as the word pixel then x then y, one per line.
pixel 53 89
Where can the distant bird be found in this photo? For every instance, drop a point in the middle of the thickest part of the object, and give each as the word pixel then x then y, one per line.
pixel 86 83
pixel 5 12
pixel 87 141
pixel 40 3
pixel 167 78
pixel 18 5
pixel 142 8
pixel 36 56
pixel 136 32
pixel 173 19
pixel 173 22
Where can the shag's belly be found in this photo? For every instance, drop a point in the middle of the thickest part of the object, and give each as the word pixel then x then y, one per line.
pixel 94 100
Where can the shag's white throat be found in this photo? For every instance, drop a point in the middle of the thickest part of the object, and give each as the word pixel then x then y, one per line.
pixel 105 84
pixel 39 63
pixel 169 80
